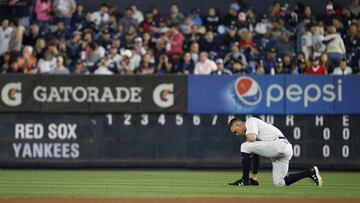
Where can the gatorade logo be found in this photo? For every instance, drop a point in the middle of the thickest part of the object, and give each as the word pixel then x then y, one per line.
pixel 163 95
pixel 11 94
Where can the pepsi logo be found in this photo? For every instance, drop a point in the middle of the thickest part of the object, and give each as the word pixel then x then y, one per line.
pixel 248 91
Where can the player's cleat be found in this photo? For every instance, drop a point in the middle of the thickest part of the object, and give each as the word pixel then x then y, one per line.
pixel 254 182
pixel 315 176
pixel 243 182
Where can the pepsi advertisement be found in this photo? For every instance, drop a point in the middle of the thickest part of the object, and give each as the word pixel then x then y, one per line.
pixel 245 94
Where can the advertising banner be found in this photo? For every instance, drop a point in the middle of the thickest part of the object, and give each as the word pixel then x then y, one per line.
pixel 52 93
pixel 248 94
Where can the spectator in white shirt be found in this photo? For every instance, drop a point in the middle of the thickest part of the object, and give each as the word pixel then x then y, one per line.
pixel 137 14
pixel 205 66
pixel 263 26
pixel 5 34
pixel 60 69
pixel 47 64
pixel 343 69
pixel 103 70
pixel 101 17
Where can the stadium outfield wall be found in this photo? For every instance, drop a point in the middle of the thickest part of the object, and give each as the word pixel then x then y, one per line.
pixel 172 121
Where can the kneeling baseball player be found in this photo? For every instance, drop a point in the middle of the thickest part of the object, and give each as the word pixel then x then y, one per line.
pixel 268 141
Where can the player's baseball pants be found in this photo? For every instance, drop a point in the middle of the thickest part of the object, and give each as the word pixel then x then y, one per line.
pixel 280 151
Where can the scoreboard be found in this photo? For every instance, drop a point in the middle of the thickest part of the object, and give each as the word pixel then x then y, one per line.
pixel 167 140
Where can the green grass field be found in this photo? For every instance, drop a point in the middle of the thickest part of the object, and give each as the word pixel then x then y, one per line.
pixel 119 183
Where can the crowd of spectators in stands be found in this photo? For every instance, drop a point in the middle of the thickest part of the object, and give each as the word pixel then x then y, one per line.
pixel 62 37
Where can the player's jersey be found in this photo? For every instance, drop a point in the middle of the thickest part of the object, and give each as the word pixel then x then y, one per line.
pixel 263 130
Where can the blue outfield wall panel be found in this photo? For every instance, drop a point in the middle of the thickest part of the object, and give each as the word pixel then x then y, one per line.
pixel 237 94
pixel 248 94
pixel 348 88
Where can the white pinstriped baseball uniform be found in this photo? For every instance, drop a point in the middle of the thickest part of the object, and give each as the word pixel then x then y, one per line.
pixel 269 145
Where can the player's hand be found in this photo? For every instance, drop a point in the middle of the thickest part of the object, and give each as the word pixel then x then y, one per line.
pixel 254 176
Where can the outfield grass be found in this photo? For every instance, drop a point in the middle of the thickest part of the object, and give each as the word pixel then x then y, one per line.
pixel 54 183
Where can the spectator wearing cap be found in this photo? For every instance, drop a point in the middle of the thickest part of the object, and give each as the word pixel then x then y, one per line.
pixel 101 17
pixel 60 69
pixel 212 20
pixel 279 67
pixel 335 47
pixel 231 37
pixel 128 20
pixel 270 60
pixel 263 26
pixel 221 70
pixel 80 68
pixel 300 68
pixel 64 9
pixel 186 65
pixel 43 9
pixel 176 17
pixel 234 56
pixel 343 68
pixel 125 67
pixel 105 39
pixel 315 68
pixel 205 65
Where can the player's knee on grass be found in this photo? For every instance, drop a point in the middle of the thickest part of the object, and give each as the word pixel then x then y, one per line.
pixel 279 182
pixel 245 147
